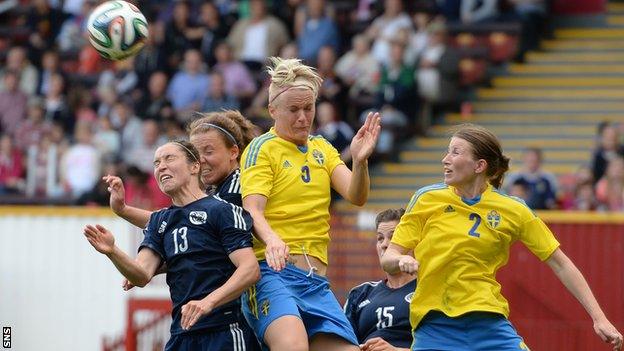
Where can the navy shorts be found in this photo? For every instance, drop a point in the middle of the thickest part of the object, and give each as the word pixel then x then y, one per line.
pixel 236 337
pixel 291 292
pixel 475 331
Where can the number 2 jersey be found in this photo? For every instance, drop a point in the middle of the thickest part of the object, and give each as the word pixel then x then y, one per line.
pixel 460 245
pixel 195 241
pixel 376 310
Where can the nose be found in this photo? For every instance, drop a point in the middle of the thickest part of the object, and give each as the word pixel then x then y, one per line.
pixel 445 160
pixel 385 243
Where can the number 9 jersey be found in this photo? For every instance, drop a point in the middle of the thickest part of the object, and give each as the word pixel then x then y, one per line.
pixel 461 243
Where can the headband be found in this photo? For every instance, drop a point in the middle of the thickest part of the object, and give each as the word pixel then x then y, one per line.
pixel 304 84
pixel 227 134
pixel 188 150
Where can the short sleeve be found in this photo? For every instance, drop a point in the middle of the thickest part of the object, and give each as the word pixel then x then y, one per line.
pixel 333 157
pixel 538 238
pixel 256 172
pixel 409 230
pixel 350 308
pixel 234 226
pixel 152 238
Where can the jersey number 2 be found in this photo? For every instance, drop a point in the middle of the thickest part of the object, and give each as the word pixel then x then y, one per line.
pixel 183 246
pixel 473 231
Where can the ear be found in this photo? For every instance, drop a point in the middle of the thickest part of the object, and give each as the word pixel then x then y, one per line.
pixel 272 110
pixel 481 166
pixel 234 152
pixel 195 168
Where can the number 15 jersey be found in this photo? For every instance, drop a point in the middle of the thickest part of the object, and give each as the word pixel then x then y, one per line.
pixel 460 245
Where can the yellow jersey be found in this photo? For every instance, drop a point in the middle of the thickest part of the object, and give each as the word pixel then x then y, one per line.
pixel 297 184
pixel 460 245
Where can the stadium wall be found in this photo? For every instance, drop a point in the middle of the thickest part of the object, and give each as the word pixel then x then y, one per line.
pixel 56 291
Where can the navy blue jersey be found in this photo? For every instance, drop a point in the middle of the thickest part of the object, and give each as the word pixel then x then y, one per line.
pixel 195 241
pixel 229 189
pixel 375 310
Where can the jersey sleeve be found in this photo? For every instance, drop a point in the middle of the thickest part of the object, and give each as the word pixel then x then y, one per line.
pixel 333 156
pixel 234 226
pixel 152 239
pixel 409 230
pixel 350 309
pixel 537 237
pixel 256 171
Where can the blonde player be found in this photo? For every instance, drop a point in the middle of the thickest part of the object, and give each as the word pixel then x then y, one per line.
pixel 461 232
pixel 286 179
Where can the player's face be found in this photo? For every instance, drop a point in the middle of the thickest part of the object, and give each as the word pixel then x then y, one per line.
pixel 215 157
pixel 293 112
pixel 459 163
pixel 385 230
pixel 172 170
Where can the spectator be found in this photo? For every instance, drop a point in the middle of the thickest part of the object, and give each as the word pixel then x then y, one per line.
pixel 385 28
pixel 73 33
pixel 121 77
pixel 318 30
pixel 57 108
pixel 50 65
pixel 359 70
pixel 258 37
pixel 609 148
pixel 541 185
pixel 189 87
pixel 107 99
pixel 99 195
pixel 142 155
pixel 176 30
pixel 239 82
pixel 418 38
pixel 397 87
pixel 27 73
pixel 478 11
pixel 80 100
pixel 584 197
pixel 438 68
pixel 532 14
pixel 11 167
pixel 44 23
pixel 43 160
pixel 610 188
pixel 218 98
pixel 337 132
pixel 332 88
pixel 211 32
pixel 127 124
pixel 155 104
pixel 80 165
pixel 12 103
pixel 151 58
pixel 34 127
pixel 106 139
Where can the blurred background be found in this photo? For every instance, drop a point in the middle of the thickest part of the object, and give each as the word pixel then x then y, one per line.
pixel 547 76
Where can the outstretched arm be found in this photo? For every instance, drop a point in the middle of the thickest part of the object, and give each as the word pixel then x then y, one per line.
pixel 574 281
pixel 247 273
pixel 355 185
pixel 276 250
pixel 135 216
pixel 396 260
pixel 139 272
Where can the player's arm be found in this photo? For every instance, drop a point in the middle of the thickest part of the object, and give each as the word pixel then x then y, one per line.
pixel 139 272
pixel 246 274
pixel 379 344
pixel 135 216
pixel 355 185
pixel 574 281
pixel 396 259
pixel 276 250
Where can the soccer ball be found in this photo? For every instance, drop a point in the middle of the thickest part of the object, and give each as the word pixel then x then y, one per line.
pixel 117 29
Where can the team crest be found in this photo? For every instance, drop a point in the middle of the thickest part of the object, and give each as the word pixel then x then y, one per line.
pixel 318 156
pixel 493 219
pixel 163 225
pixel 265 307
pixel 408 297
pixel 198 217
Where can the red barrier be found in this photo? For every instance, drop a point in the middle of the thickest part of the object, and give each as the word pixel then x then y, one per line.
pixel 543 311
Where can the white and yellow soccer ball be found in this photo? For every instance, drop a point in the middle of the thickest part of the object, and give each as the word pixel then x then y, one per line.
pixel 117 29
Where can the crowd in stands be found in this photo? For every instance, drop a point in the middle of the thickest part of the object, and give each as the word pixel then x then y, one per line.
pixel 68 116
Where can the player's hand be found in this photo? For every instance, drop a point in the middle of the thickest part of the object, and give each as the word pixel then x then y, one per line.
pixel 193 311
pixel 377 344
pixel 117 193
pixel 363 143
pixel 100 238
pixel 126 285
pixel 276 253
pixel 607 332
pixel 408 264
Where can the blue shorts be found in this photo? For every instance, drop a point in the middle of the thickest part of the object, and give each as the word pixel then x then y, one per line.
pixel 236 337
pixel 475 331
pixel 291 292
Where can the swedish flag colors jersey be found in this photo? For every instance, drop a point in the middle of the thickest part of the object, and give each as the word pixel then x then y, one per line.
pixel 460 245
pixel 297 183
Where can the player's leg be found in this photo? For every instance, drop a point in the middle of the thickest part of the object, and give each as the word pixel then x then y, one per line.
pixel 331 342
pixel 273 314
